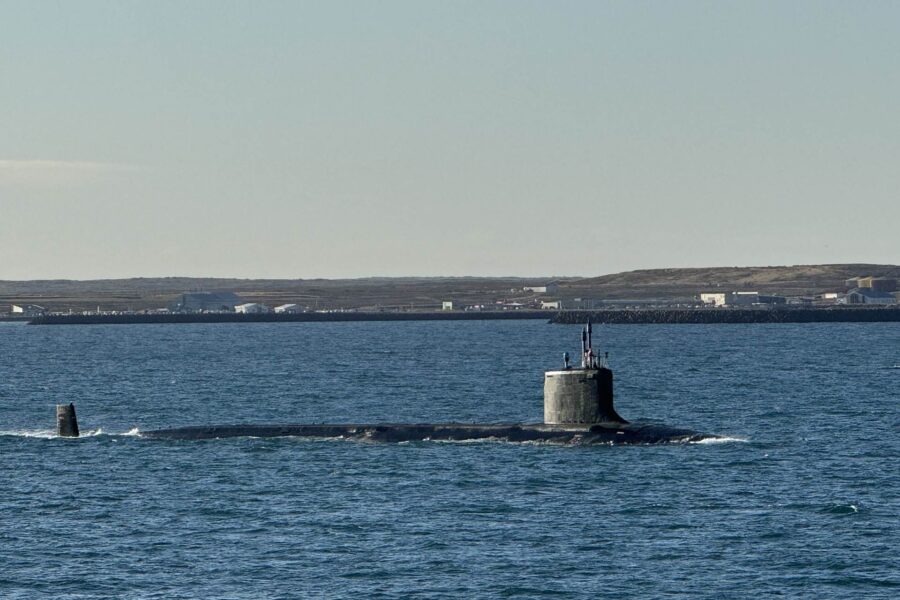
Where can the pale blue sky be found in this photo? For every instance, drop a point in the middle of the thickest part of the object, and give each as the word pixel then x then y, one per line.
pixel 347 139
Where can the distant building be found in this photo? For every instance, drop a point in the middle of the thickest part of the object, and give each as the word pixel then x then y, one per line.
pixel 743 298
pixel 878 284
pixel 549 288
pixel 883 284
pixel 28 310
pixel 251 308
pixel 288 309
pixel 799 301
pixel 869 296
pixel 551 305
pixel 446 305
pixel 715 299
pixel 830 298
pixel 206 302
pixel 583 303
pixel 740 298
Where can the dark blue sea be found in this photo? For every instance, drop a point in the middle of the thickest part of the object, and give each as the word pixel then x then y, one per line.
pixel 800 499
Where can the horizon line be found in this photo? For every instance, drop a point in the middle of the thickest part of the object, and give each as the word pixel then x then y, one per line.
pixel 517 277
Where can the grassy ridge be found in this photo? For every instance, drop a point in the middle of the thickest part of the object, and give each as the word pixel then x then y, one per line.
pixel 659 285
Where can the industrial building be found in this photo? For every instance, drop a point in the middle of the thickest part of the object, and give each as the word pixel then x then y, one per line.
pixel 446 305
pixel 583 303
pixel 251 308
pixel 877 284
pixel 206 302
pixel 551 305
pixel 740 299
pixel 743 298
pixel 511 305
pixel 288 309
pixel 549 288
pixel 869 296
pixel 715 298
pixel 28 310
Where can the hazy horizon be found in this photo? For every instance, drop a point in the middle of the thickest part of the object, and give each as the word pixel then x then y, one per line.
pixel 423 139
pixel 546 277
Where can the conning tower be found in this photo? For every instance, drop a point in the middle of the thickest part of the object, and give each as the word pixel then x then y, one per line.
pixel 581 396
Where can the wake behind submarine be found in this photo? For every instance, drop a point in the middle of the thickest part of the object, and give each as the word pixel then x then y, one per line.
pixel 578 409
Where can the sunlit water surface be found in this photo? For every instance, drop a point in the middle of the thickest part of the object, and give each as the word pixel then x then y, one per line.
pixel 801 502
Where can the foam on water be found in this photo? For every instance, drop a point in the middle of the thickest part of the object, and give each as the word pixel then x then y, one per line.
pixel 720 440
pixel 32 433
pixel 503 440
pixel 840 509
pixel 49 434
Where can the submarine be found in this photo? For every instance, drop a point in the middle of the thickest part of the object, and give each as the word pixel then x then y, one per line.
pixel 578 410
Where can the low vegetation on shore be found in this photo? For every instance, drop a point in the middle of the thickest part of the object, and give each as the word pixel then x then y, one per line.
pixel 656 286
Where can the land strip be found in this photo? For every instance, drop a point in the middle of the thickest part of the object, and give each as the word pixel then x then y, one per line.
pixel 657 287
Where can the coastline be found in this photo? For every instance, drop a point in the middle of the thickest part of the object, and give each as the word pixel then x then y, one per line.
pixel 648 316
pixel 641 316
pixel 136 319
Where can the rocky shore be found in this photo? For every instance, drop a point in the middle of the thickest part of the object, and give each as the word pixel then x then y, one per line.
pixel 835 314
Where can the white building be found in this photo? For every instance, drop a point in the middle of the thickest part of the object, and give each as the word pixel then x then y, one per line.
pixel 715 299
pixel 446 305
pixel 831 298
pixel 28 310
pixel 289 309
pixel 551 305
pixel 251 308
pixel 739 299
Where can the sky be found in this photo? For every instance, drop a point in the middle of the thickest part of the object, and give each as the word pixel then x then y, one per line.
pixel 353 139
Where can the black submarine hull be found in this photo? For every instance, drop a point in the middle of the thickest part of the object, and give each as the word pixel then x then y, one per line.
pixel 606 433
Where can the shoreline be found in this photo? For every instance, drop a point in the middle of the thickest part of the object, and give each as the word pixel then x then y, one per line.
pixel 309 317
pixel 699 316
pixel 641 316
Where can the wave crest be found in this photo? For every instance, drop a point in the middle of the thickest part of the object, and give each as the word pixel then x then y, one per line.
pixel 724 439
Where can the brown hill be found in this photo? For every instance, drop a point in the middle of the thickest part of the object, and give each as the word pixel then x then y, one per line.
pixel 655 285
pixel 684 284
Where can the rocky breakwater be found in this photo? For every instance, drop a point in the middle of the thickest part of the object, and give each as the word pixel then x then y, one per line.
pixel 637 316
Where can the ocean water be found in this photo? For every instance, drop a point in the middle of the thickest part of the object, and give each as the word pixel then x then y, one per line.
pixel 801 498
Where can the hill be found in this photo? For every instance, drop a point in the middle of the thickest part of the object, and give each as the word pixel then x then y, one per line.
pixel 684 284
pixel 655 285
